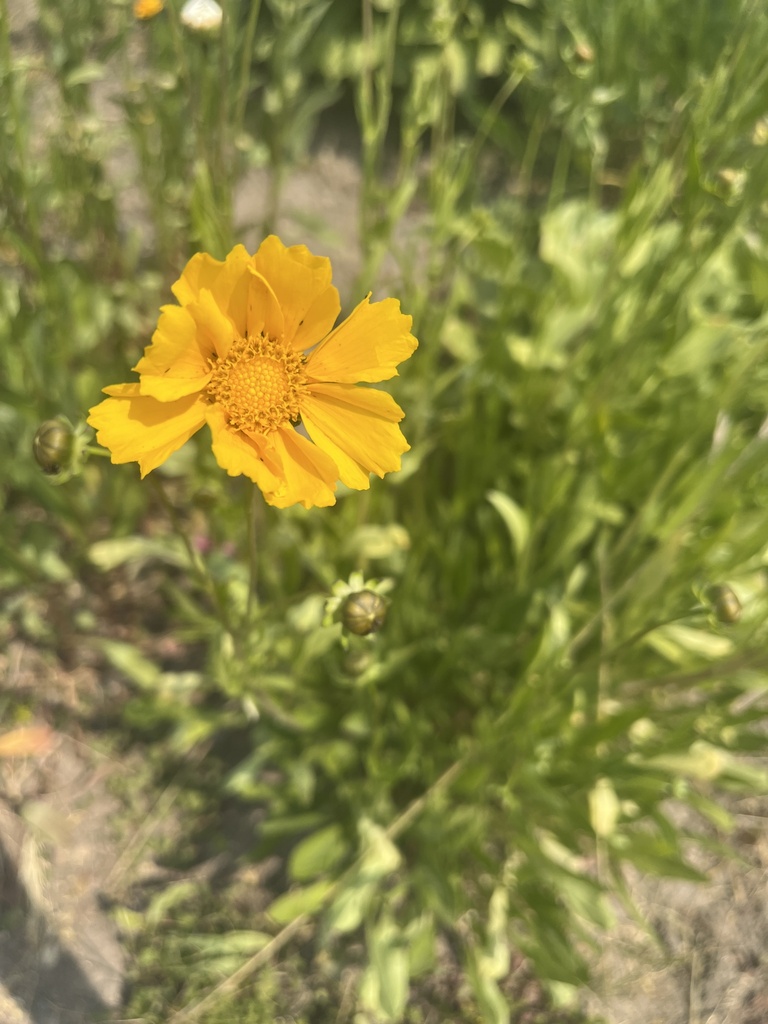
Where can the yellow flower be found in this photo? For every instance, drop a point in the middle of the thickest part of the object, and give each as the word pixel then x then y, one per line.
pixel 146 9
pixel 251 351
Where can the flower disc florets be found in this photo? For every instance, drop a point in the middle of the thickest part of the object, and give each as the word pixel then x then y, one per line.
pixel 258 384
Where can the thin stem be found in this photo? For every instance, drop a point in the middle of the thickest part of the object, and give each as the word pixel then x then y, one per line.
pixel 196 561
pixel 414 809
pixel 607 629
pixel 366 73
pixel 178 44
pixel 489 119
pixel 253 563
pixel 560 172
pixel 223 165
pixel 232 983
pixel 374 99
pixel 697 610
pixel 530 154
pixel 274 187
pixel 243 86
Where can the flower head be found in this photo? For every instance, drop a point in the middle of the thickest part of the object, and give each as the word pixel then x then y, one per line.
pixel 251 350
pixel 146 9
pixel 202 15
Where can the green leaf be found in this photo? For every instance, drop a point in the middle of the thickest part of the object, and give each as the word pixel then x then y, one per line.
pixel 128 660
pixel 384 985
pixel 351 905
pixel 701 761
pixel 492 1004
pixel 604 807
pixel 497 947
pixel 421 944
pixel 318 853
pixel 290 824
pixel 109 554
pixel 84 74
pixel 171 896
pixel 654 855
pixel 240 942
pixel 515 519
pixel 306 900
pixel 380 855
pixel 673 641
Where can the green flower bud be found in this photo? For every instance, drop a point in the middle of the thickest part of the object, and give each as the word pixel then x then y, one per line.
pixel 53 446
pixel 725 603
pixel 363 612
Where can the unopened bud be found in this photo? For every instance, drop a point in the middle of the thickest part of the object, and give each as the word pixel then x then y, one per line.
pixel 202 15
pixel 364 612
pixel 53 446
pixel 725 603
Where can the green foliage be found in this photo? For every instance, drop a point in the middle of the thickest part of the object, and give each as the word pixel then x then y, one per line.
pixel 574 196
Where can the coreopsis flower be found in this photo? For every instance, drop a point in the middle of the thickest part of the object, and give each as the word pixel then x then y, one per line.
pixel 146 9
pixel 252 352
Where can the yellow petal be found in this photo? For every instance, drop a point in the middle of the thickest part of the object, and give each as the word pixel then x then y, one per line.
pixel 132 390
pixel 227 281
pixel 136 428
pixel 214 327
pixel 177 356
pixel 357 427
pixel 239 454
pixel 302 284
pixel 202 271
pixel 310 475
pixel 264 315
pixel 367 346
pixel 169 389
pixel 318 320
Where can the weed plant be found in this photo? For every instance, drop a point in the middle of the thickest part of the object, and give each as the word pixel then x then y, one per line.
pixel 574 197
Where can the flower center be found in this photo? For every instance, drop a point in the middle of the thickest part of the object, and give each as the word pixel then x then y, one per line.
pixel 258 384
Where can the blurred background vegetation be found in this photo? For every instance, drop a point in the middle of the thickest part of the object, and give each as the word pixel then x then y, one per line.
pixel 570 198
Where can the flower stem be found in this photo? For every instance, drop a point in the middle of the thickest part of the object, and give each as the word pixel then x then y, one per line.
pixel 243 86
pixel 196 561
pixel 253 565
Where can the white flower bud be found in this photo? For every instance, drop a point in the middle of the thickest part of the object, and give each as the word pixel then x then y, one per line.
pixel 202 15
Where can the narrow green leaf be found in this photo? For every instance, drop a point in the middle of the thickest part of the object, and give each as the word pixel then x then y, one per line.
pixel 240 942
pixel 84 74
pixel 318 853
pixel 515 519
pixel 380 855
pixel 108 554
pixel 384 985
pixel 494 1008
pixel 604 807
pixel 306 900
pixel 421 944
pixel 351 905
pixel 171 896
pixel 128 660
